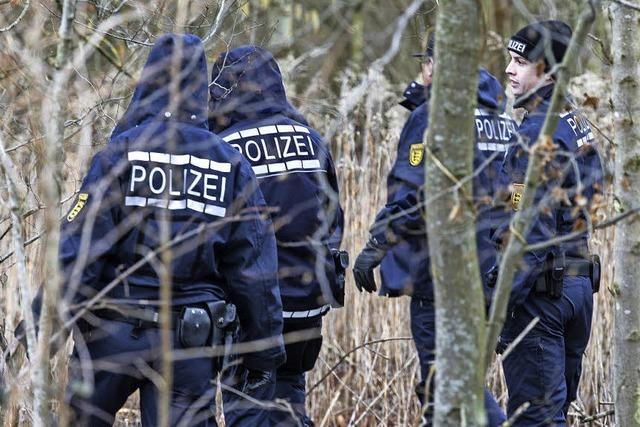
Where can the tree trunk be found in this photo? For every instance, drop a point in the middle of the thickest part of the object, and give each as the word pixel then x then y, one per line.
pixel 626 104
pixel 51 181
pixel 451 222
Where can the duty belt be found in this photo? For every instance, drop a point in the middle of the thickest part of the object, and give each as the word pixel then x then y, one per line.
pixel 572 267
pixel 140 317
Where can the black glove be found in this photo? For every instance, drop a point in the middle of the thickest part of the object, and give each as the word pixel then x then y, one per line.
pixel 370 257
pixel 255 379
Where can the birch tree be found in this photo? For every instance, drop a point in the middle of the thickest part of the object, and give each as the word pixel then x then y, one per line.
pixel 451 226
pixel 626 104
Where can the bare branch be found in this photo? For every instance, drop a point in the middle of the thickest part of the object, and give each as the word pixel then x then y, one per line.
pixel 627 4
pixel 18 19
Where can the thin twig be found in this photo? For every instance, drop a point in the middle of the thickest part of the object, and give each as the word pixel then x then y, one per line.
pixel 18 19
pixel 591 418
pixel 347 354
pixel 627 4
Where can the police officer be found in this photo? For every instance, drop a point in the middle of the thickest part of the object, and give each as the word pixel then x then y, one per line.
pixel 249 109
pixel 557 281
pixel 398 234
pixel 164 172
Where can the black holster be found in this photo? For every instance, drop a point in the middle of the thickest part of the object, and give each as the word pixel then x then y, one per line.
pixel 550 281
pixel 224 321
pixel 595 272
pixel 341 262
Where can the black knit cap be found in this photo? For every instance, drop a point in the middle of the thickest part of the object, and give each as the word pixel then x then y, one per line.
pixel 546 40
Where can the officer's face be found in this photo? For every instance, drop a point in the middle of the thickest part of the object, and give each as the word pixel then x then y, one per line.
pixel 523 75
pixel 427 71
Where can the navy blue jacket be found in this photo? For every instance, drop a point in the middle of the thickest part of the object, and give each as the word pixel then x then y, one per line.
pixel 406 270
pixel 575 152
pixel 249 109
pixel 164 170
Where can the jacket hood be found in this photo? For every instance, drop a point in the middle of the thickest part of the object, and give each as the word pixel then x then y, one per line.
pixel 490 92
pixel 246 84
pixel 152 98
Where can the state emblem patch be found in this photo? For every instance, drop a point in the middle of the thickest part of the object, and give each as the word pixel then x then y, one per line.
pixel 516 195
pixel 82 201
pixel 416 153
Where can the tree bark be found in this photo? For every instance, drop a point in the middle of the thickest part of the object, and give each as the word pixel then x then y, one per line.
pixel 51 182
pixel 451 222
pixel 626 104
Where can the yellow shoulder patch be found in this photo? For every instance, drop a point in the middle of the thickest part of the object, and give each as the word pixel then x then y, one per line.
pixel 80 203
pixel 416 153
pixel 516 195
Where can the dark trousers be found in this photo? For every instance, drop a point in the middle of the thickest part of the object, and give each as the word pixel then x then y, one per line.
pixel 290 378
pixel 423 330
pixel 544 368
pixel 123 360
pixel 289 384
pixel 244 404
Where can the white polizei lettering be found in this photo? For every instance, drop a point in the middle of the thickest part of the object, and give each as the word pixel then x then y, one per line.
pixel 249 132
pixel 159 157
pixel 195 206
pixel 195 182
pixel 208 186
pixel 285 128
pixel 479 127
pixel 266 152
pixel 277 144
pixel 237 147
pixel 267 130
pixel 154 172
pixel 138 155
pixel 313 153
pixel 135 201
pixel 232 137
pixel 488 129
pixel 503 128
pixel 215 210
pixel 140 178
pixel 220 167
pixel 294 164
pixel 301 129
pixel 261 169
pixel 177 204
pixel 277 167
pixel 257 155
pixel 574 126
pixel 311 164
pixel 171 191
pixel 286 147
pixel 180 159
pixel 159 203
pixel 223 188
pixel 199 162
pixel 300 146
pixel 517 46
